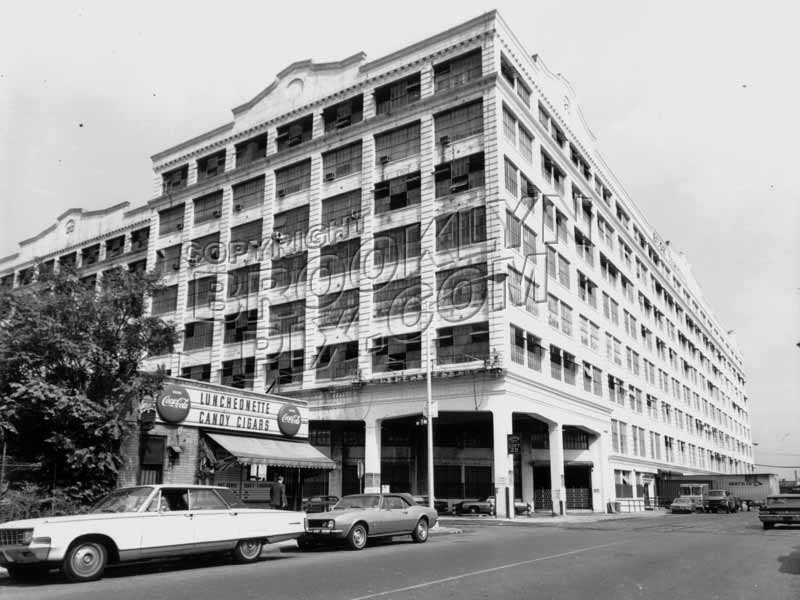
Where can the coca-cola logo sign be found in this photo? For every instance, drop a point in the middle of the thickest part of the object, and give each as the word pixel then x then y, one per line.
pixel 173 403
pixel 289 420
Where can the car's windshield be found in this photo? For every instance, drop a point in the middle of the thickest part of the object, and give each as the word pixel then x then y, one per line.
pixel 783 501
pixel 682 500
pixel 358 501
pixel 716 493
pixel 124 500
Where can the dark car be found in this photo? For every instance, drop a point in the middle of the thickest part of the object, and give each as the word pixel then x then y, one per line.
pixel 441 506
pixel 719 501
pixel 316 504
pixel 781 508
pixel 683 504
pixel 484 506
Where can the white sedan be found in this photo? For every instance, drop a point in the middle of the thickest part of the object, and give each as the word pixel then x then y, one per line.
pixel 144 522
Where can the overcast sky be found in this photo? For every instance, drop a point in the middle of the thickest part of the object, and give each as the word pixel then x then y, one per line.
pixel 695 106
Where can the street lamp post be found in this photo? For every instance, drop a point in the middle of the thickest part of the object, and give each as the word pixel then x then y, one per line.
pixel 429 407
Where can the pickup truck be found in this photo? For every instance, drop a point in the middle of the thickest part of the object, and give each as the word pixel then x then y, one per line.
pixel 781 508
pixel 719 501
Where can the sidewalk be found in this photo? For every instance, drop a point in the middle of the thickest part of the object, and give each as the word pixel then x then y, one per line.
pixel 548 519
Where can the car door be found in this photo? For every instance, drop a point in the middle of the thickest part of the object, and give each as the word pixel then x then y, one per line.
pixel 397 510
pixel 168 526
pixel 215 526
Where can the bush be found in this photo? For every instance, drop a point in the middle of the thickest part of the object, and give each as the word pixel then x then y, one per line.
pixel 30 501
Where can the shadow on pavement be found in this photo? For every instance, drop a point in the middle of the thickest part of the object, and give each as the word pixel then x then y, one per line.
pixel 790 564
pixel 143 568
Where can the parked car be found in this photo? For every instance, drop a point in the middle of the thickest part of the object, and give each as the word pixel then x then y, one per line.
pixel 719 501
pixel 316 504
pixel 781 508
pixel 485 506
pixel 441 506
pixel 144 522
pixel 358 517
pixel 683 504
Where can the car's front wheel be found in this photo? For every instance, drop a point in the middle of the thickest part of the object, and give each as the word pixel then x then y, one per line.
pixel 85 561
pixel 473 510
pixel 420 533
pixel 357 538
pixel 247 551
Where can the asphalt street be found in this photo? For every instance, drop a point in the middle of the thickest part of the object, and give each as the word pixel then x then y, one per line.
pixel 671 557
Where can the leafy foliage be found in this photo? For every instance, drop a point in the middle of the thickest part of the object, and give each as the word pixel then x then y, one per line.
pixel 70 374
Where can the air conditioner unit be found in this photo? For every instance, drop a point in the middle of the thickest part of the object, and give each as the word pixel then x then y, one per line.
pixel 281 193
pixel 216 214
pixel 238 208
pixel 444 140
pixel 179 226
pixel 330 176
pixel 384 159
pixel 176 266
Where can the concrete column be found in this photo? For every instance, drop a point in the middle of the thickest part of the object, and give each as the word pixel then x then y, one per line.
pixel 598 468
pixel 337 455
pixel 527 471
pixel 503 463
pixel 557 490
pixel 372 456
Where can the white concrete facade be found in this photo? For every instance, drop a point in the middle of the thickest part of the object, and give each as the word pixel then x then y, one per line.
pixel 565 356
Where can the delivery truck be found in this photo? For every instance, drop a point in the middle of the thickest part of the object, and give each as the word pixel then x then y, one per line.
pixel 752 488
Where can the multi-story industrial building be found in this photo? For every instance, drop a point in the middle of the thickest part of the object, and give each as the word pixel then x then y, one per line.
pixel 444 203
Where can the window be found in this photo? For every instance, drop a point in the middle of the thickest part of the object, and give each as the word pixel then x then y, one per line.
pixel 341 209
pixel 461 229
pixel 168 259
pixel 241 326
pixel 459 175
pixel 458 123
pixel 509 125
pixel 342 161
pixel 590 333
pixel 199 334
pixel 287 318
pixel 396 95
pixel 285 368
pixel 244 281
pixel 396 353
pixel 463 343
pixel 292 179
pixel 396 193
pixel 512 179
pixel 397 297
pixel 394 245
pixel 290 270
pixel 340 258
pixel 587 290
pixel 337 361
pixel 461 287
pixel 139 239
pixel 251 150
pixel 239 373
pixel 201 292
pixel 170 220
pixel 605 231
pixel 114 247
pixel 457 71
pixel 610 309
pixel 563 271
pixel 174 180
pixel 339 309
pixel 248 194
pixel 525 144
pixel 247 235
pixel 529 244
pixel 513 231
pixel 210 166
pixel 205 249
pixel 208 208
pixel 398 143
pixel 616 390
pixel 580 162
pixel 291 224
pixel 295 133
pixel 197 372
pixel 554 174
pixel 165 300
pixel 513 79
pixel 344 114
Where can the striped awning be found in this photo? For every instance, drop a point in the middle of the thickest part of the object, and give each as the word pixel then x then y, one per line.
pixel 276 453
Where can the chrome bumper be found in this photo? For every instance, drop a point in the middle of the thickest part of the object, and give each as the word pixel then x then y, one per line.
pixel 21 555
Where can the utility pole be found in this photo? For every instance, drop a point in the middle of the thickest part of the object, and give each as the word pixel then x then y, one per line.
pixel 429 408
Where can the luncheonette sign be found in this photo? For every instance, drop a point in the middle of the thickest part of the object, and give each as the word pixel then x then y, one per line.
pixel 213 409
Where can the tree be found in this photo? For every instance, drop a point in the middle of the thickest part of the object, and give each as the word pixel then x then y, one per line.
pixel 70 374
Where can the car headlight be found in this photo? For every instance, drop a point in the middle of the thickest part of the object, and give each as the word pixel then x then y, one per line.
pixel 330 524
pixel 27 536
